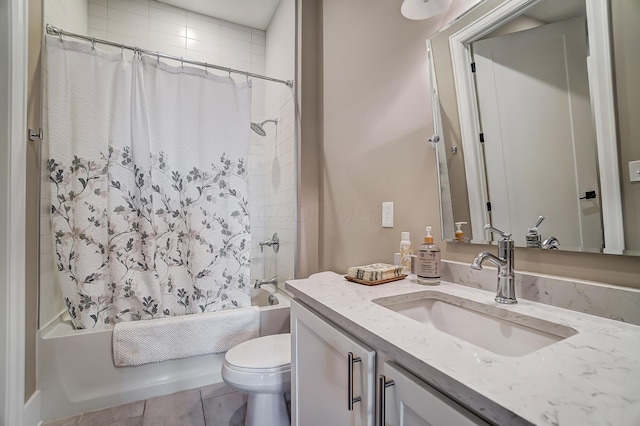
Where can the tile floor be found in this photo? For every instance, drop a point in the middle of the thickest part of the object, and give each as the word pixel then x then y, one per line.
pixel 216 405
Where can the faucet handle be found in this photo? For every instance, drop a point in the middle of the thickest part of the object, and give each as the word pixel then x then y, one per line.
pixel 505 235
pixel 535 227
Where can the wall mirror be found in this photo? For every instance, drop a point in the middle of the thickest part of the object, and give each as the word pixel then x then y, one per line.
pixel 525 113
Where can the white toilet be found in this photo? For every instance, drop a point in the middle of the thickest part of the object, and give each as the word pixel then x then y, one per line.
pixel 261 368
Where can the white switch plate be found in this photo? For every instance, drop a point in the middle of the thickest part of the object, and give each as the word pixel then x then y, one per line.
pixel 634 171
pixel 387 214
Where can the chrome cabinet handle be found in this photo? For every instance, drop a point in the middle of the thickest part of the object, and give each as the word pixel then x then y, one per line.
pixel 383 384
pixel 352 400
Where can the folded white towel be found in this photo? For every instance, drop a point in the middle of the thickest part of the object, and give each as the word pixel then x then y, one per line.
pixel 146 341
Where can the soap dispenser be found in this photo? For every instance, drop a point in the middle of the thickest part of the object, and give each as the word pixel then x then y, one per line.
pixel 429 261
pixel 459 236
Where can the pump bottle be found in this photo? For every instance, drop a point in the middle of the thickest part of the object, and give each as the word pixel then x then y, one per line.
pixel 405 253
pixel 429 261
pixel 459 236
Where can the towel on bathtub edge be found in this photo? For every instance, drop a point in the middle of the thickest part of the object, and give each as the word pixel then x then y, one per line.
pixel 162 339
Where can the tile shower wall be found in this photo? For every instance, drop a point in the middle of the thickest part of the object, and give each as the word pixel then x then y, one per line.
pixel 280 153
pixel 156 26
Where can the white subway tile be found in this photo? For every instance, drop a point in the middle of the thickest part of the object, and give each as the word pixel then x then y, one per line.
pixel 236 51
pixel 205 36
pixel 100 2
pixel 167 27
pixel 139 22
pixel 99 24
pixel 201 22
pixel 236 26
pixel 229 34
pixel 98 10
pixel 166 38
pixel 171 17
pixel 157 5
pixel 129 31
pixel 258 37
pixel 200 46
pixel 130 7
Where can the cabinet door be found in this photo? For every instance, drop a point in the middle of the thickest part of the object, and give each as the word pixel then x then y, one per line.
pixel 320 374
pixel 412 402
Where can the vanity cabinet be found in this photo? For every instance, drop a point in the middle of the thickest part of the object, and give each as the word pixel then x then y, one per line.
pixel 405 400
pixel 331 372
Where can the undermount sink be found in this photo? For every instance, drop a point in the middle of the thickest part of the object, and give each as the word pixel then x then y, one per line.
pixel 495 329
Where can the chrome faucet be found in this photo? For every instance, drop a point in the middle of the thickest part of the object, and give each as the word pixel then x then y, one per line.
pixel 550 243
pixel 506 292
pixel 534 239
pixel 274 243
pixel 260 283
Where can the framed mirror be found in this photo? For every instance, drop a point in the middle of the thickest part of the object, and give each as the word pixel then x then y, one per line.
pixel 525 114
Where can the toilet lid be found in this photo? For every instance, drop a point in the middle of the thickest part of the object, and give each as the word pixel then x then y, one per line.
pixel 262 353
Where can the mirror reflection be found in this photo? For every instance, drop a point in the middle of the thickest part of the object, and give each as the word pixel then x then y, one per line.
pixel 527 126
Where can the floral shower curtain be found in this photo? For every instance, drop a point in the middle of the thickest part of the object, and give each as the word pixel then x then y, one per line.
pixel 148 183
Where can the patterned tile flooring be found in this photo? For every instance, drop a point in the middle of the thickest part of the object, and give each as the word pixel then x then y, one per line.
pixel 216 405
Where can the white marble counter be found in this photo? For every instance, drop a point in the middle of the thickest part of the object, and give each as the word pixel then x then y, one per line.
pixel 590 378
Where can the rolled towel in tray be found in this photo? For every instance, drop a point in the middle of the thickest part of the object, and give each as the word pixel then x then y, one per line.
pixel 162 339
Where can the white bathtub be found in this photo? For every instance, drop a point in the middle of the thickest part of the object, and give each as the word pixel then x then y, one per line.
pixel 76 372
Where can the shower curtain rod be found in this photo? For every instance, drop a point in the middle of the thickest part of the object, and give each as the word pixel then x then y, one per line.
pixel 59 32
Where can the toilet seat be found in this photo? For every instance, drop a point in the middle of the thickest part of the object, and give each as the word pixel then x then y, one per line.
pixel 262 353
pixel 260 365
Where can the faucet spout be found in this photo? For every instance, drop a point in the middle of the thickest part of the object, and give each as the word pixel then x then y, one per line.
pixel 485 255
pixel 259 283
pixel 506 292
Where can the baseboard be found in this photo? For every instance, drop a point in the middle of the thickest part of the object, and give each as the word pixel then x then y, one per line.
pixel 32 408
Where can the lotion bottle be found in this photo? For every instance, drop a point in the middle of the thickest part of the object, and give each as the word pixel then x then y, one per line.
pixel 429 261
pixel 459 236
pixel 405 253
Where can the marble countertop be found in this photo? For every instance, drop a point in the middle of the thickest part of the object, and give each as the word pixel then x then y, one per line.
pixel 590 378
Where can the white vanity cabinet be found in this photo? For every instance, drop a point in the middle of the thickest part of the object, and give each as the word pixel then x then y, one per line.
pixel 405 400
pixel 332 374
pixel 323 383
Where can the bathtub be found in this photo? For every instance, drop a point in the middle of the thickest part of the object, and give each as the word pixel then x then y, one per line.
pixel 76 373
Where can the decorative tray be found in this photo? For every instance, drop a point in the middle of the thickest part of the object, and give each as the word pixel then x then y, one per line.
pixel 388 280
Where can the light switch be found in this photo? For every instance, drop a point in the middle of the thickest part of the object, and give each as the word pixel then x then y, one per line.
pixel 634 171
pixel 387 214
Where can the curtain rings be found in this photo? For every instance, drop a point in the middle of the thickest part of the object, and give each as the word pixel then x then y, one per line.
pixel 122 50
pixel 206 68
pixel 182 62
pixel 60 37
pixel 93 44
pixel 158 56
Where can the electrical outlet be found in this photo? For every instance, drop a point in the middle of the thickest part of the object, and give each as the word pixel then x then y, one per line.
pixel 387 214
pixel 634 171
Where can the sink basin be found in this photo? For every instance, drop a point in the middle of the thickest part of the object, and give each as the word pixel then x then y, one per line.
pixel 495 329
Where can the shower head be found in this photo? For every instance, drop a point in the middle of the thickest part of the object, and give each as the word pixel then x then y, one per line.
pixel 258 127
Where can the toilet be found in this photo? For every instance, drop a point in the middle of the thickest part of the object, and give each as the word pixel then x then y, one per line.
pixel 261 368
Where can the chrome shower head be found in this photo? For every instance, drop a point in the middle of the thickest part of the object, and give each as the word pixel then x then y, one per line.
pixel 258 127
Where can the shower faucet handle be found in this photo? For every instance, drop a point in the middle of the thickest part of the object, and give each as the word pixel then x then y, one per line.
pixel 274 243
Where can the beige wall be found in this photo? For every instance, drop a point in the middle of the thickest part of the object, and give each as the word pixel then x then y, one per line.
pixel 32 202
pixel 626 35
pixel 376 118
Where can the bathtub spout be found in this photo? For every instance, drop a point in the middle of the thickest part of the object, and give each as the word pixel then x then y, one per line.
pixel 260 283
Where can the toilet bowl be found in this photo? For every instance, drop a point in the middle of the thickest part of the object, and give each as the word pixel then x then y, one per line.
pixel 261 368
